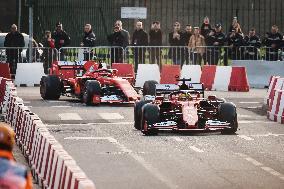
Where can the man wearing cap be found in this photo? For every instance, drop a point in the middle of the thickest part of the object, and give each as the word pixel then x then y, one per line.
pixel 61 38
pixel 12 174
pixel 216 39
pixel 196 46
pixel 252 43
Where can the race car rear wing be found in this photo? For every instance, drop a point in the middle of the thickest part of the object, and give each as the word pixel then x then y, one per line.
pixel 194 88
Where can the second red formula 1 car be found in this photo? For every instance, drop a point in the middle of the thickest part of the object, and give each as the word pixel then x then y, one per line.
pixel 87 81
pixel 183 108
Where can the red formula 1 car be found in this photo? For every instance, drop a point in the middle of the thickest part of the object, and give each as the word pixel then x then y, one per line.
pixel 88 81
pixel 183 108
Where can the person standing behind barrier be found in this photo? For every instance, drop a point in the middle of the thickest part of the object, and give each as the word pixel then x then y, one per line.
pixel 116 39
pixel 14 39
pixel 49 54
pixel 235 41
pixel 252 43
pixel 205 27
pixel 124 32
pixel 12 174
pixel 176 38
pixel 139 38
pixel 196 46
pixel 216 39
pixel 61 38
pixel 88 40
pixel 273 42
pixel 155 39
pixel 187 35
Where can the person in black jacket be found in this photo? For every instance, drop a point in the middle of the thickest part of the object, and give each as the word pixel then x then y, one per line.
pixel 205 28
pixel 155 39
pixel 273 41
pixel 61 39
pixel 176 39
pixel 252 43
pixel 216 39
pixel 14 39
pixel 89 39
pixel 139 38
pixel 187 34
pixel 235 41
pixel 116 39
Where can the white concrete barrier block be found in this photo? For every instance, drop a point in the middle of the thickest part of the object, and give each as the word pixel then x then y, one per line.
pixel 147 72
pixel 222 78
pixel 29 74
pixel 191 71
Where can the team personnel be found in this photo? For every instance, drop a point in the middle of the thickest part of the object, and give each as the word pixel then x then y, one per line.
pixel 116 39
pixel 235 41
pixel 205 27
pixel 155 39
pixel 124 32
pixel 273 41
pixel 88 40
pixel 187 35
pixel 216 39
pixel 176 38
pixel 12 174
pixel 252 43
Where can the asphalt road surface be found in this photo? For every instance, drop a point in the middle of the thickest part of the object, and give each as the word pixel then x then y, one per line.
pixel 113 154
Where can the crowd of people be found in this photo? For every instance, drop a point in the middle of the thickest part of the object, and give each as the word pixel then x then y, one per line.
pixel 193 44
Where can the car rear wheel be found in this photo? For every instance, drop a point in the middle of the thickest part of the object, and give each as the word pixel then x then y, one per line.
pixel 138 114
pixel 92 87
pixel 149 87
pixel 50 87
pixel 228 113
pixel 150 116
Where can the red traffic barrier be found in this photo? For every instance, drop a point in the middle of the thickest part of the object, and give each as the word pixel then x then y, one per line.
pixel 239 80
pixel 5 70
pixel 208 76
pixel 169 74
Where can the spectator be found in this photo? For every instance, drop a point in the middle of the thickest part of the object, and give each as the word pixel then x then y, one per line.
pixel 139 38
pixel 235 26
pixel 35 52
pixel 187 35
pixel 124 32
pixel 155 39
pixel 61 38
pixel 116 39
pixel 273 41
pixel 12 174
pixel 14 39
pixel 176 39
pixel 196 46
pixel 216 39
pixel 205 27
pixel 235 41
pixel 89 39
pixel 49 54
pixel 252 43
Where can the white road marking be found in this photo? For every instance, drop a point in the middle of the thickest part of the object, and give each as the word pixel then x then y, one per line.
pixel 61 106
pixel 69 116
pixel 249 102
pixel 52 101
pixel 196 149
pixel 243 116
pixel 27 102
pixel 154 171
pixel 250 122
pixel 108 116
pixel 84 124
pixel 245 137
pixel 265 168
pixel 267 135
pixel 254 107
pixel 178 139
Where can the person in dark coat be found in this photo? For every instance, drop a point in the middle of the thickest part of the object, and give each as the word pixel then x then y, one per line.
pixel 176 38
pixel 124 32
pixel 14 39
pixel 235 41
pixel 139 38
pixel 273 42
pixel 49 52
pixel 187 34
pixel 215 40
pixel 252 43
pixel 116 39
pixel 155 39
pixel 61 39
pixel 205 28
pixel 88 40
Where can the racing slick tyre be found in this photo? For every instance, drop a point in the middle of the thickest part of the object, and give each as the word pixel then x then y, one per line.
pixel 227 112
pixel 138 113
pixel 92 87
pixel 150 116
pixel 50 87
pixel 149 87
